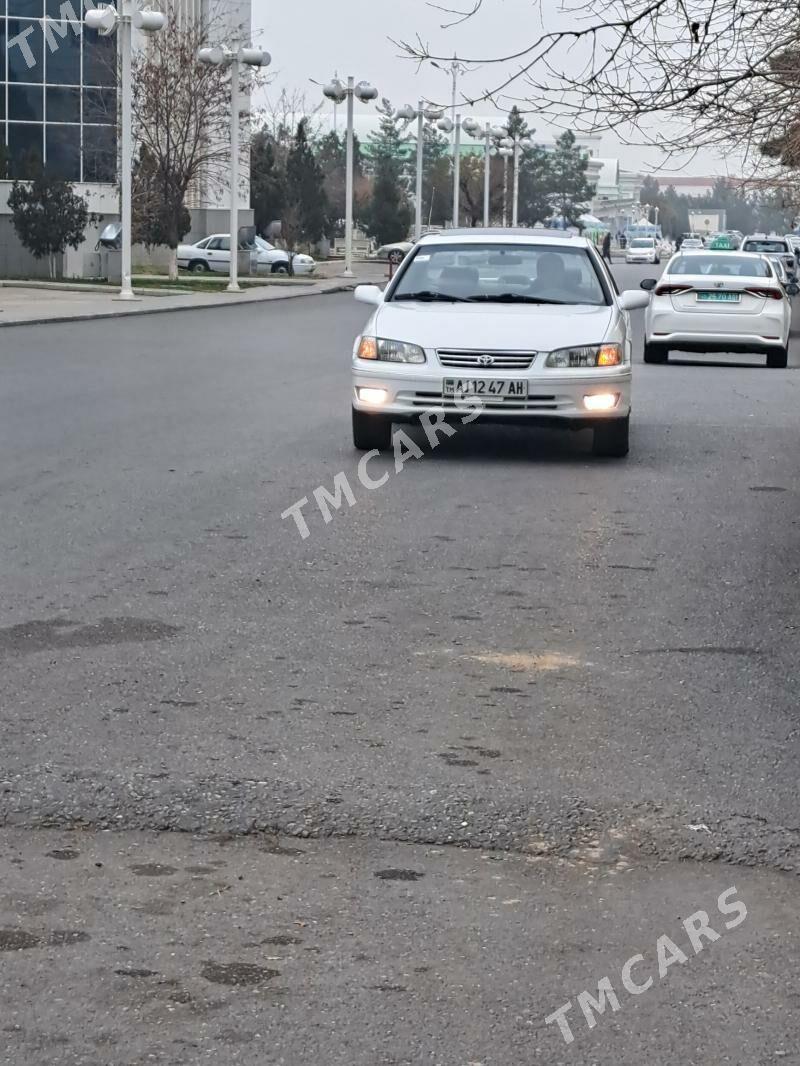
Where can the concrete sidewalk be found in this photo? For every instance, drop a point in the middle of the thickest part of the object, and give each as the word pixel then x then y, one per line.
pixel 25 304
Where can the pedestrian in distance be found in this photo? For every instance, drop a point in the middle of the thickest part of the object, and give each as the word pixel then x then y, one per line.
pixel 607 247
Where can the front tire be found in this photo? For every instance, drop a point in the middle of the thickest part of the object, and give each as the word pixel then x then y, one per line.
pixel 611 438
pixel 371 431
pixel 778 360
pixel 199 266
pixel 396 258
pixel 280 268
pixel 654 353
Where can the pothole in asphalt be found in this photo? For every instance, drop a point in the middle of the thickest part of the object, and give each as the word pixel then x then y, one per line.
pixel 399 875
pixel 237 973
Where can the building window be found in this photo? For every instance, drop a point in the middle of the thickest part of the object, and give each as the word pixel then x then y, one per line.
pixel 58 99
pixel 25 148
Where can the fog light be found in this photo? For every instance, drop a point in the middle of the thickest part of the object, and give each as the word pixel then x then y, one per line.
pixel 376 396
pixel 601 401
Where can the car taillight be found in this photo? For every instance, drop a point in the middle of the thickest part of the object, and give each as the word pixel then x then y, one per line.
pixel 671 290
pixel 765 293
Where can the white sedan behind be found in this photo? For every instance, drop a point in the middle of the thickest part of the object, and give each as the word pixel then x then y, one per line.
pixel 718 302
pixel 214 254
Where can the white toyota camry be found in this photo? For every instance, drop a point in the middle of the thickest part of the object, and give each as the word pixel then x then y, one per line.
pixel 719 302
pixel 499 325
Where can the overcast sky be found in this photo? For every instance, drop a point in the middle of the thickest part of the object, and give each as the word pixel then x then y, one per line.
pixel 310 39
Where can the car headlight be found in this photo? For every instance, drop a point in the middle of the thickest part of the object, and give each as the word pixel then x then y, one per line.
pixel 588 355
pixel 389 351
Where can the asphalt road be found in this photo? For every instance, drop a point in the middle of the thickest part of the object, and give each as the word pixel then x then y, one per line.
pixel 582 669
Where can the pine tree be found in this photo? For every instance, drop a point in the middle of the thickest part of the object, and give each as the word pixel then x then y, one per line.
pixel 388 215
pixel 267 180
pixel 571 189
pixel 305 187
pixel 331 154
pixel 437 192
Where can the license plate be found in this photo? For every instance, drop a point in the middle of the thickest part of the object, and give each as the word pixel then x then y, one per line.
pixel 718 297
pixel 485 388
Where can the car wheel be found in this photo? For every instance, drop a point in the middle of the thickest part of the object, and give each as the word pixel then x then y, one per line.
pixel 199 266
pixel 280 268
pixel 396 257
pixel 611 438
pixel 779 359
pixel 654 353
pixel 371 431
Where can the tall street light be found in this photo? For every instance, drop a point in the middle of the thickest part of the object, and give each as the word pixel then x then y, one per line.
pixel 233 59
pixel 105 19
pixel 421 113
pixel 490 133
pixel 517 145
pixel 505 150
pixel 471 127
pixel 338 92
pixel 453 69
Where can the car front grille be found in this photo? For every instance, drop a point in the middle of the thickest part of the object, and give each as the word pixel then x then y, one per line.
pixel 472 360
pixel 505 403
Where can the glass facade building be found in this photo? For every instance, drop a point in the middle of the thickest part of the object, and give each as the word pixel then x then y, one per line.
pixel 58 101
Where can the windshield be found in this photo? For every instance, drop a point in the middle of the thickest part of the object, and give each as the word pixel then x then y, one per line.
pixel 501 273
pixel 642 242
pixel 774 247
pixel 265 246
pixel 736 266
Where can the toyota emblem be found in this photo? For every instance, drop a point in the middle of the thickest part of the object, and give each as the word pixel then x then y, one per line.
pixel 485 360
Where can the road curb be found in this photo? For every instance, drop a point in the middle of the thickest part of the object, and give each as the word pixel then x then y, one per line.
pixel 92 316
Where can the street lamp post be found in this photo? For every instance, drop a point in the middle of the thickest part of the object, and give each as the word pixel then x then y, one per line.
pixel 233 59
pixel 421 113
pixel 489 133
pixel 338 92
pixel 105 19
pixel 471 127
pixel 520 144
pixel 505 151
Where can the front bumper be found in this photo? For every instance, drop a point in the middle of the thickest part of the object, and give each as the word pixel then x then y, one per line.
pixel 556 399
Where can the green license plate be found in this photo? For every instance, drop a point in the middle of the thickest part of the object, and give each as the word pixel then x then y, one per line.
pixel 718 297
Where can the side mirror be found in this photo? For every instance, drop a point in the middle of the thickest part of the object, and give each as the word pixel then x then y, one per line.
pixel 792 288
pixel 631 300
pixel 648 284
pixel 368 294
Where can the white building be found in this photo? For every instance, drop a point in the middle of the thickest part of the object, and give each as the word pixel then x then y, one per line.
pixel 59 97
pixel 616 198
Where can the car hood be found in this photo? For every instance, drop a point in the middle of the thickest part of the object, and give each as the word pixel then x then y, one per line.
pixel 522 327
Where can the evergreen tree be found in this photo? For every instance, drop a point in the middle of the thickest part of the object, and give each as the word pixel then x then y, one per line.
pixel 536 183
pixel 571 191
pixel 305 187
pixel 267 180
pixel 437 192
pixel 388 215
pixel 331 154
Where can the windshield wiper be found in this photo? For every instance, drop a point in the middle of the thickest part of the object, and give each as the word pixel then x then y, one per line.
pixel 429 295
pixel 512 298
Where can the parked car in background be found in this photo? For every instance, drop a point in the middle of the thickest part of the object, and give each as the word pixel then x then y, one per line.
pixel 513 327
pixel 642 250
pixel 718 302
pixel 214 254
pixel 395 253
pixel 773 246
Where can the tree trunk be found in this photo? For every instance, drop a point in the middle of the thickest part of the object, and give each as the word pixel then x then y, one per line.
pixel 173 264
